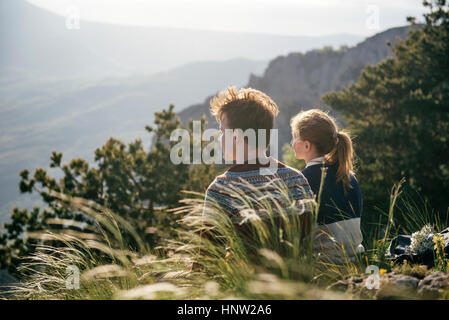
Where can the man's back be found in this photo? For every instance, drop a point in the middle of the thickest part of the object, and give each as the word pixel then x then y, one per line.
pixel 246 186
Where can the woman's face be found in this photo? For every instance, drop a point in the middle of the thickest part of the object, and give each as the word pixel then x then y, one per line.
pixel 301 147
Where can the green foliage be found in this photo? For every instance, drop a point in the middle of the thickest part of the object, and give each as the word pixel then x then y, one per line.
pixel 276 264
pixel 412 270
pixel 125 224
pixel 441 261
pixel 127 179
pixel 398 111
pixel 273 265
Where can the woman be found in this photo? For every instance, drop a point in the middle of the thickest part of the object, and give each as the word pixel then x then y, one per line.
pixel 325 149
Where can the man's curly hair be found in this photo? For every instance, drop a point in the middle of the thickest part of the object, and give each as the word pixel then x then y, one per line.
pixel 246 108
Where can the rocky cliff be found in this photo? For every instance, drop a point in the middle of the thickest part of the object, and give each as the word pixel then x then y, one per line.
pixel 298 81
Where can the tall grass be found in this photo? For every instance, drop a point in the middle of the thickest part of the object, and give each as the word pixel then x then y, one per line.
pixel 265 251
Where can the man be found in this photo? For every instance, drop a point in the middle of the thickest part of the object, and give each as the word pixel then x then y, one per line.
pixel 257 182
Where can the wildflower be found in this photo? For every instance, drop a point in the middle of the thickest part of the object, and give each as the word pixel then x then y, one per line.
pixel 422 240
pixel 440 255
pixel 382 271
pixel 437 240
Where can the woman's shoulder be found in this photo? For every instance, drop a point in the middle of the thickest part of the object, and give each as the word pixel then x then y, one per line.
pixel 353 179
pixel 313 175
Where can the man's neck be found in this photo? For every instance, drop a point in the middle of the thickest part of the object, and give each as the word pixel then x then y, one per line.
pixel 258 165
pixel 255 157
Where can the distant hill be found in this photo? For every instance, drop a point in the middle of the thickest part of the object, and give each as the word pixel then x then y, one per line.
pixel 297 81
pixel 69 90
pixel 76 116
pixel 36 42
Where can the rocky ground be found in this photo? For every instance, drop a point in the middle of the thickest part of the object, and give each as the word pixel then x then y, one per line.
pixel 397 286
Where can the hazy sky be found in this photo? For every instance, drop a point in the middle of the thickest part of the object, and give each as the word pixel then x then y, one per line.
pixel 288 17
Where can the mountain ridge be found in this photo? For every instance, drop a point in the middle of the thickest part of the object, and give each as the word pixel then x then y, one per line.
pixel 37 40
pixel 298 80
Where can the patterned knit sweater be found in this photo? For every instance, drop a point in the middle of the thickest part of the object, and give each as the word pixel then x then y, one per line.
pixel 243 187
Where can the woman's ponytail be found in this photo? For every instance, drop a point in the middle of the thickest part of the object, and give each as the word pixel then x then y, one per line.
pixel 343 155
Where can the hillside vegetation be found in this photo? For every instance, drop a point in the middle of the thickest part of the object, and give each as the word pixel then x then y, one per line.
pixel 131 224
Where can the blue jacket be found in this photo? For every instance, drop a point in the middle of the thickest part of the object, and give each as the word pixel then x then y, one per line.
pixel 335 204
pixel 339 215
